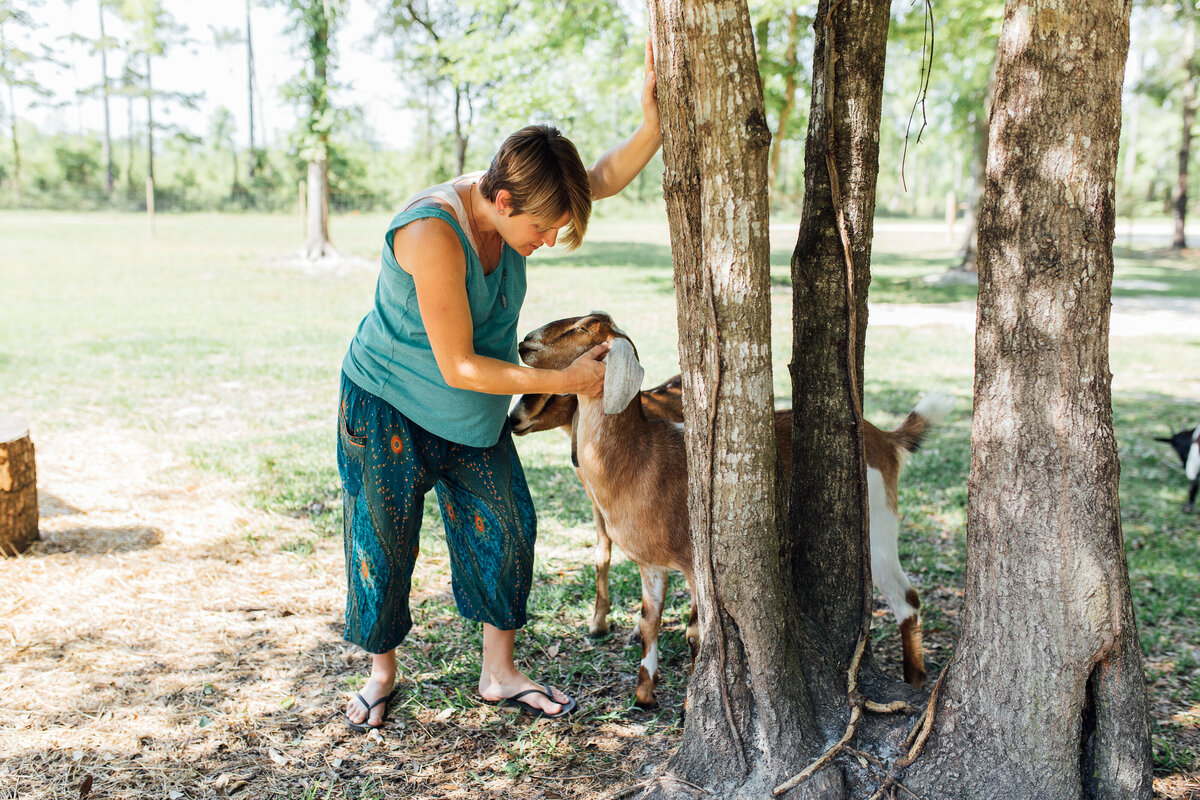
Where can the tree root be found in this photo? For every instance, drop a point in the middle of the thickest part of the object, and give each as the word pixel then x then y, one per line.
pixel 658 778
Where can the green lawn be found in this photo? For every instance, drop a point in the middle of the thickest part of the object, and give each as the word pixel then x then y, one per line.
pixel 202 339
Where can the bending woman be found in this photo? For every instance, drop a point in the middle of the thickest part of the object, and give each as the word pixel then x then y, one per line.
pixel 426 386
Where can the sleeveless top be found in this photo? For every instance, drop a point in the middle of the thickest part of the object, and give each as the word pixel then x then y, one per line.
pixel 390 355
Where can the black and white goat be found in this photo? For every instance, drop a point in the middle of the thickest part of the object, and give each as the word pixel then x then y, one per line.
pixel 1187 445
pixel 631 459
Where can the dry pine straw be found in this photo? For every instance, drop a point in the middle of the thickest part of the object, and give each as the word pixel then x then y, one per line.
pixel 147 650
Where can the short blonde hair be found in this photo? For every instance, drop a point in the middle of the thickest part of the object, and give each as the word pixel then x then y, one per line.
pixel 541 169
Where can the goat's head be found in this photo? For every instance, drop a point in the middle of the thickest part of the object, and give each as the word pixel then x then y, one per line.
pixel 556 344
pixel 1182 442
pixel 541 412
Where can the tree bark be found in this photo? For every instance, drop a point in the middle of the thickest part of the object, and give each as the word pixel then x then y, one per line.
pixel 749 723
pixel 1045 696
pixel 18 488
pixel 828 538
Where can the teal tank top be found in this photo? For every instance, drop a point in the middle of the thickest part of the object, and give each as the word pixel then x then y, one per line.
pixel 390 355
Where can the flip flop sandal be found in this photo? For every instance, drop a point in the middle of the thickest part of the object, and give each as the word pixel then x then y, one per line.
pixel 516 701
pixel 363 727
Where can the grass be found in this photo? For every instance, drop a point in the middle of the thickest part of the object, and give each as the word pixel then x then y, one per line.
pixel 202 342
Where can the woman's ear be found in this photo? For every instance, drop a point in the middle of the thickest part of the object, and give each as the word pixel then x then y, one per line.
pixel 504 202
pixel 622 376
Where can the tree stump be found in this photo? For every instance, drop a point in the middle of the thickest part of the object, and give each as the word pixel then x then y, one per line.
pixel 18 488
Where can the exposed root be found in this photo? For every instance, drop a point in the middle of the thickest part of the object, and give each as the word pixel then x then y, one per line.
pixel 922 730
pixel 657 779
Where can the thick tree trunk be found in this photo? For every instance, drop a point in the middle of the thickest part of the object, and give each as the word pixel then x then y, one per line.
pixel 1045 696
pixel 749 723
pixel 828 541
pixel 18 488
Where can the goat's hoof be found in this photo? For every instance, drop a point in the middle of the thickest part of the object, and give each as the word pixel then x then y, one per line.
pixel 645 704
pixel 1188 508
pixel 599 631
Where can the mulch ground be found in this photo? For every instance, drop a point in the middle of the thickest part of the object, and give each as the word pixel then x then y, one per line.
pixel 160 643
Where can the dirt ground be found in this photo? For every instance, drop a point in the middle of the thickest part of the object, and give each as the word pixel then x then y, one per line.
pixel 150 648
pixel 157 643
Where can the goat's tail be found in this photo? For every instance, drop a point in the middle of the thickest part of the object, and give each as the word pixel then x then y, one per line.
pixel 929 411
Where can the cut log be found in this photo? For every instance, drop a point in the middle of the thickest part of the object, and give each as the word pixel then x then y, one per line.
pixel 18 488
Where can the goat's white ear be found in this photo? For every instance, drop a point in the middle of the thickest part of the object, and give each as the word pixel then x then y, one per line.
pixel 622 376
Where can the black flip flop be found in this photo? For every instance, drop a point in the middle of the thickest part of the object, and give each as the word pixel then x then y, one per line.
pixel 528 708
pixel 363 727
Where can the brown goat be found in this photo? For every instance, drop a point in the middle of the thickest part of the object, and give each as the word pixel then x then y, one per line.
pixel 631 460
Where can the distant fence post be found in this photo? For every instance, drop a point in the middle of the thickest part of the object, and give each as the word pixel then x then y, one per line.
pixel 150 203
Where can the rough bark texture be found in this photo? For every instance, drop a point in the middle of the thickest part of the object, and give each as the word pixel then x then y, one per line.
pixel 749 724
pixel 18 488
pixel 1045 696
pixel 828 537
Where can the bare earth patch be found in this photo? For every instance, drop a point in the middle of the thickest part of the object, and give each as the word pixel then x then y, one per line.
pixel 157 643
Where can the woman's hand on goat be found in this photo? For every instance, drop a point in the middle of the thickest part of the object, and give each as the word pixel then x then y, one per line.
pixel 585 376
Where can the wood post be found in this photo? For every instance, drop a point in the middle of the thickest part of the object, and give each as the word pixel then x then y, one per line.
pixel 18 488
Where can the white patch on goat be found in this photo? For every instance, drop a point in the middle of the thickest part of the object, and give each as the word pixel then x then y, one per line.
pixel 650 662
pixel 886 571
pixel 1193 460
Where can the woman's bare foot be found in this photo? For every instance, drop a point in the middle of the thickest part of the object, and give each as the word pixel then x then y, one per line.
pixel 379 685
pixel 495 688
pixel 499 678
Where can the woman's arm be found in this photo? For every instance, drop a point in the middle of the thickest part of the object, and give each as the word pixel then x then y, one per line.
pixel 613 171
pixel 440 275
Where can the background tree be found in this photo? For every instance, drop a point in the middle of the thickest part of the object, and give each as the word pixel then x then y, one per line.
pixel 154 32
pixel 1045 696
pixel 18 64
pixel 222 138
pixel 472 54
pixel 783 47
pixel 314 20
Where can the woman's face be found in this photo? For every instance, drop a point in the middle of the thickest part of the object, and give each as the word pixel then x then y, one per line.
pixel 526 233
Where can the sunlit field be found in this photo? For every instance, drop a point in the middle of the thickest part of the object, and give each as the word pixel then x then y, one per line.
pixel 178 628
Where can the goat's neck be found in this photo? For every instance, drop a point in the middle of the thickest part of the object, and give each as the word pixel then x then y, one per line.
pixel 607 441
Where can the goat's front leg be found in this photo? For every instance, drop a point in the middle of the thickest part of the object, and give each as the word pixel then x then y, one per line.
pixel 1192 489
pixel 603 557
pixel 654 597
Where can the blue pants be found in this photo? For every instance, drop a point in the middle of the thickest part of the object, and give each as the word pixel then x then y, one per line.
pixel 387 465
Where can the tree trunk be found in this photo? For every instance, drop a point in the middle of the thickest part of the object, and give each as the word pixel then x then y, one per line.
pixel 749 723
pixel 149 123
pixel 109 170
pixel 18 488
pixel 1045 696
pixel 16 145
pixel 789 98
pixel 460 136
pixel 829 542
pixel 318 210
pixel 249 94
pixel 1179 200
pixel 968 254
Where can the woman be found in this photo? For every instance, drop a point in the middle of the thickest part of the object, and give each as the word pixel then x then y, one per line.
pixel 426 385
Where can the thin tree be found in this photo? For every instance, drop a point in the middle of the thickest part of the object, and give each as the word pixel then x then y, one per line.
pixel 17 71
pixel 314 20
pixel 1187 107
